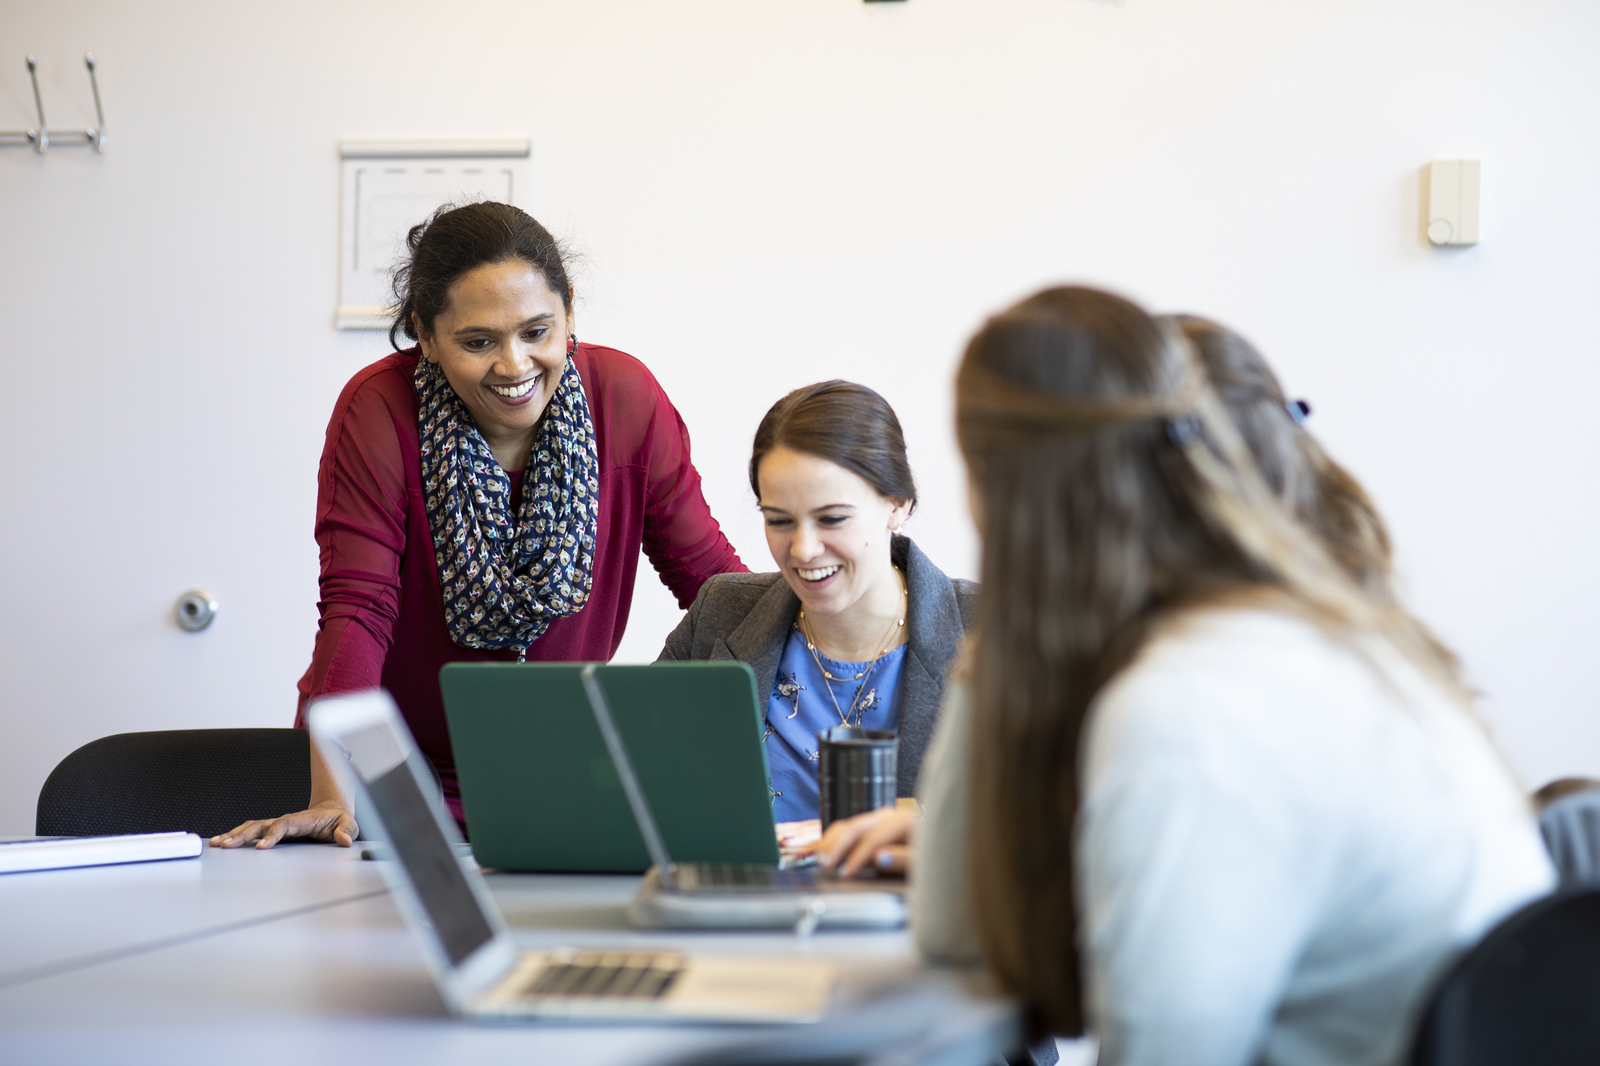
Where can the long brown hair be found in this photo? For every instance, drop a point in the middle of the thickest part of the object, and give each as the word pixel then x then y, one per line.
pixel 1111 490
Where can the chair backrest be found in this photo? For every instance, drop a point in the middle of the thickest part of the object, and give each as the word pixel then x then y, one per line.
pixel 203 781
pixel 1571 828
pixel 1528 992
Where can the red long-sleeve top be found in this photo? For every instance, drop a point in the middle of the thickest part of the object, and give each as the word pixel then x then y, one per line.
pixel 382 616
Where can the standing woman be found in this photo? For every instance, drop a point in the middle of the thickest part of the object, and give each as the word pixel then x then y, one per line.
pixel 1219 802
pixel 484 495
pixel 857 626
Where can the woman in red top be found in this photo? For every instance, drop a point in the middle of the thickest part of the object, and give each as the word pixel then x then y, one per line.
pixel 523 468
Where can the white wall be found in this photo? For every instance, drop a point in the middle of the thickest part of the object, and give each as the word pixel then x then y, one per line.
pixel 768 194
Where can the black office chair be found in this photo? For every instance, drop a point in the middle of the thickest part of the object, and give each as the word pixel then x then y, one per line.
pixel 1529 992
pixel 203 781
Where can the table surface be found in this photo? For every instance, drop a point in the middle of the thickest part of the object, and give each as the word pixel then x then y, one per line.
pixel 298 954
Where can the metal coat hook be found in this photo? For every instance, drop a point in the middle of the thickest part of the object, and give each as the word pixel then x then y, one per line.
pixel 42 137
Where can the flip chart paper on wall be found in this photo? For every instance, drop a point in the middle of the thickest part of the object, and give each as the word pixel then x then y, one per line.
pixel 390 186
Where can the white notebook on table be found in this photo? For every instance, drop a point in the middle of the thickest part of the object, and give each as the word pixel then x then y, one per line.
pixel 59 853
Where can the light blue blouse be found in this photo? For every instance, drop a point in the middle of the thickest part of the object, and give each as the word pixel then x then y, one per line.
pixel 800 708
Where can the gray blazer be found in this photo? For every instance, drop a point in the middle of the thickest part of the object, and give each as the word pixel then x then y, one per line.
pixel 747 617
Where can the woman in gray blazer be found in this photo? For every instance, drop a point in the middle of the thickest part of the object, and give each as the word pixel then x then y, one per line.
pixel 857 627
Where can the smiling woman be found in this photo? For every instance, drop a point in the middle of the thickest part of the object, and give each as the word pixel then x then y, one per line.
pixel 485 494
pixel 499 347
pixel 857 626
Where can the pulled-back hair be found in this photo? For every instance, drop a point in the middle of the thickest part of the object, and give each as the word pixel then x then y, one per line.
pixel 1324 496
pixel 457 240
pixel 1112 491
pixel 848 425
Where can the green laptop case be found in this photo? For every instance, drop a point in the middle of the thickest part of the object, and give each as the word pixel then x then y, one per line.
pixel 540 791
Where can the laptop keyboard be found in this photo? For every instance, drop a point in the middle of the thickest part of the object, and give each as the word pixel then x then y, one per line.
pixel 726 876
pixel 636 975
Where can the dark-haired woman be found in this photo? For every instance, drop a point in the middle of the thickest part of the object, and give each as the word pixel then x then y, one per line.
pixel 485 494
pixel 857 626
pixel 1197 787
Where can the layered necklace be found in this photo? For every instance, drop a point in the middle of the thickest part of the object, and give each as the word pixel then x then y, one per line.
pixel 846 713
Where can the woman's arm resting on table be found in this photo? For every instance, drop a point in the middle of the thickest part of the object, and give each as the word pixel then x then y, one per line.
pixel 361 532
pixel 361 514
pixel 326 818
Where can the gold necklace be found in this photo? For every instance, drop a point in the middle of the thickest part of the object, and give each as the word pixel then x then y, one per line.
pixel 883 649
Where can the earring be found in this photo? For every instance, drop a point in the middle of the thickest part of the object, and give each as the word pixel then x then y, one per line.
pixel 572 345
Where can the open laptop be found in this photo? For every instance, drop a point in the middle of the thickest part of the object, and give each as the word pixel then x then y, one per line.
pixel 723 894
pixel 469 951
pixel 541 793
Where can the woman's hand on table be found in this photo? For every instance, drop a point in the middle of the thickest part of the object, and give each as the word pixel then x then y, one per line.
pixel 328 821
pixel 880 839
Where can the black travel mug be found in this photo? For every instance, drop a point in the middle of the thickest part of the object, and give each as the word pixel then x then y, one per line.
pixel 857 771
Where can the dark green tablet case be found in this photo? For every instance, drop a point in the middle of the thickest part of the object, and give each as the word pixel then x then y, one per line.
pixel 541 794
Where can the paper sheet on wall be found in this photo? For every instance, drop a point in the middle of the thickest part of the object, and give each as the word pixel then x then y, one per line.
pixel 385 195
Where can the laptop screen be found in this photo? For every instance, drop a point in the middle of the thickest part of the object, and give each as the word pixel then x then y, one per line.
pixel 430 863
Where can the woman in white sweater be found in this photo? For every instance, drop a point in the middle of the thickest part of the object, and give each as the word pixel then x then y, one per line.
pixel 1197 788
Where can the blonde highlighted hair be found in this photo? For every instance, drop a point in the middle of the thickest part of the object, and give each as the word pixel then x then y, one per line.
pixel 1112 490
pixel 1321 494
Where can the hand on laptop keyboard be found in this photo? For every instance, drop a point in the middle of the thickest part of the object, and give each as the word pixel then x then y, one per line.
pixel 794 835
pixel 879 839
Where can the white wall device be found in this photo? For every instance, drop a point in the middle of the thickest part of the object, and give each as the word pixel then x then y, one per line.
pixel 1453 201
pixel 390 186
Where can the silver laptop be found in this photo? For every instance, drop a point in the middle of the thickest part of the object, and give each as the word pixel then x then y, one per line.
pixel 469 951
pixel 732 895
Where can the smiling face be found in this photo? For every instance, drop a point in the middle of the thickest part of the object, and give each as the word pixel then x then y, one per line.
pixel 502 344
pixel 829 534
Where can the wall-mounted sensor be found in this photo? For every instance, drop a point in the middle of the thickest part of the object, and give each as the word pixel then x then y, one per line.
pixel 1453 201
pixel 195 610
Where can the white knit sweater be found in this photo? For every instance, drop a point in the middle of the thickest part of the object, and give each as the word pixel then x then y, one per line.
pixel 1280 844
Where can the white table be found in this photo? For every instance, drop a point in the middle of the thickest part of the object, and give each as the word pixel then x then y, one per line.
pixel 297 956
pixel 69 918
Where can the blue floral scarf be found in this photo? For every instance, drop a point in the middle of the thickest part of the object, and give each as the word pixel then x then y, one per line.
pixel 505 577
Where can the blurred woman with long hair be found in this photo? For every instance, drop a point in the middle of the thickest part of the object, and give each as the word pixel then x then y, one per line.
pixel 1213 793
